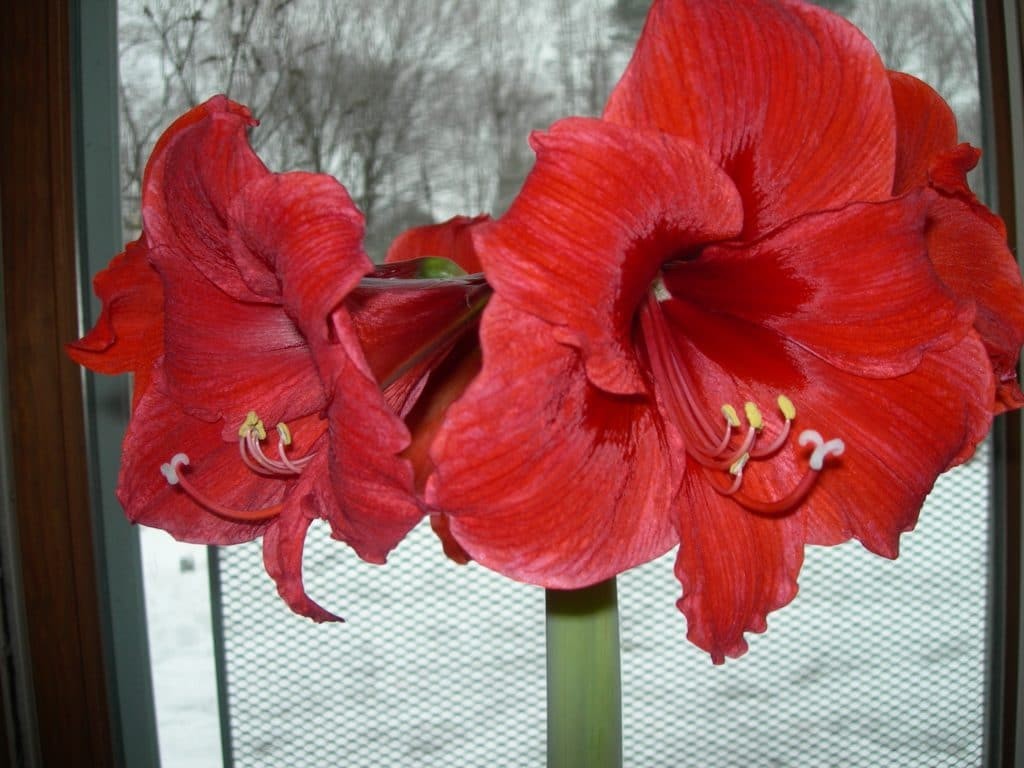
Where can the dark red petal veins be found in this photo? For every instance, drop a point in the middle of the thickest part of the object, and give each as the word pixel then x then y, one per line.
pixel 852 286
pixel 197 168
pixel 224 358
pixel 450 239
pixel 129 333
pixel 297 238
pixel 925 126
pixel 734 567
pixel 791 100
pixel 563 493
pixel 600 212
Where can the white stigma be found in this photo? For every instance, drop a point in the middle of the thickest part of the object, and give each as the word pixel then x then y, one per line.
pixel 170 469
pixel 822 449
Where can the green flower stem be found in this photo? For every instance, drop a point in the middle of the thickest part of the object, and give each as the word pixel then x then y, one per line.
pixel 584 688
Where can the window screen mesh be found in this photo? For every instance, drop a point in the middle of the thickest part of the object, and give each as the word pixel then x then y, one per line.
pixel 876 663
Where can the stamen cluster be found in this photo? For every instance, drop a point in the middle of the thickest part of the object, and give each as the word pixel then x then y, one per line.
pixel 719 449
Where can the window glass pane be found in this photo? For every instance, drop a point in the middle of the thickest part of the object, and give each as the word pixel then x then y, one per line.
pixel 422 110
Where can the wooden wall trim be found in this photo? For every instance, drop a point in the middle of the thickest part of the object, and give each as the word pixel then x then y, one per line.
pixel 1000 64
pixel 51 490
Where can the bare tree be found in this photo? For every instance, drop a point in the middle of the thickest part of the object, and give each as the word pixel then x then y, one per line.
pixel 934 40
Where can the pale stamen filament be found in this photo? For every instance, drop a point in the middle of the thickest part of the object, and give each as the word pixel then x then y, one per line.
pixel 285 439
pixel 251 433
pixel 788 503
pixel 251 424
pixel 719 461
pixel 266 464
pixel 736 470
pixel 732 421
pixel 788 411
pixel 174 476
pixel 710 447
pixel 247 460
pixel 703 436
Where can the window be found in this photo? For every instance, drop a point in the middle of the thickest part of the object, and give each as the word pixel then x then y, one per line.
pixel 771 704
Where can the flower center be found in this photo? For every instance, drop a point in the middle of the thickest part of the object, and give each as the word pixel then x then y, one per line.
pixel 724 446
pixel 251 434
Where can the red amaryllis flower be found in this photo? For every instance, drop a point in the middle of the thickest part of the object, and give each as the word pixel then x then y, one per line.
pixel 258 313
pixel 726 327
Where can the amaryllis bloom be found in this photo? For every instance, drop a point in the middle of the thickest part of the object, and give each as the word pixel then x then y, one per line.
pixel 276 378
pixel 731 316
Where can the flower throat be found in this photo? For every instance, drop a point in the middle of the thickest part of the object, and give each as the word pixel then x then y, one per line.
pixel 721 445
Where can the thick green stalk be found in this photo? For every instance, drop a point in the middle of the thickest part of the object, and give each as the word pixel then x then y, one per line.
pixel 584 689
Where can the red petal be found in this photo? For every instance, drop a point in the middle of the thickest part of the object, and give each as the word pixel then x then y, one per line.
pixel 602 209
pixel 450 239
pixel 372 481
pixel 947 172
pixel 197 168
pixel 970 255
pixel 129 333
pixel 225 357
pixel 282 557
pixel 925 126
pixel 441 525
pixel 791 100
pixel 900 434
pixel 852 286
pixel 447 382
pixel 565 492
pixel 297 239
pixel 407 326
pixel 734 567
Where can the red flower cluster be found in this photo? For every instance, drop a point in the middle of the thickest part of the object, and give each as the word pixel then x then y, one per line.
pixel 754 306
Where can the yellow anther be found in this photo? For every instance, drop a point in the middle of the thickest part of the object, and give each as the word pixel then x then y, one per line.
pixel 739 464
pixel 787 407
pixel 284 433
pixel 753 415
pixel 730 415
pixel 251 420
pixel 252 423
